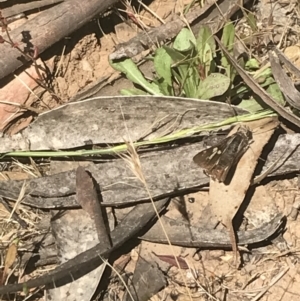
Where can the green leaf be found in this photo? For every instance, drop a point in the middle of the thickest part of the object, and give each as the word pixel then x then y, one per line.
pixel 188 77
pixel 255 106
pixel 206 48
pixel 25 289
pixel 251 105
pixel 191 79
pixel 264 77
pixel 175 55
pixel 228 36
pixel 276 93
pixel 131 71
pixel 133 91
pixel 228 41
pixel 204 37
pixel 162 64
pixel 264 82
pixel 252 64
pixel 185 40
pixel 252 21
pixel 215 84
pixel 164 87
pixel 184 72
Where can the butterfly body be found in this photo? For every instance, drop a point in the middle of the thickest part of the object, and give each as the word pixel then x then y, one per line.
pixel 219 159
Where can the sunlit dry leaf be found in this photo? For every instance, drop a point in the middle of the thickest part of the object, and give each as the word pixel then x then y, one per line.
pixel 172 261
pixel 10 259
pixel 226 199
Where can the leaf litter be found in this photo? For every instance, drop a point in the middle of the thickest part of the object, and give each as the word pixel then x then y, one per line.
pixel 212 273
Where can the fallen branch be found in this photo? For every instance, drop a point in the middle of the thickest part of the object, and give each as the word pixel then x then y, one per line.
pixel 48 28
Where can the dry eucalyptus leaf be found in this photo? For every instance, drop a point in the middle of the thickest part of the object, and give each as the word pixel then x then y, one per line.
pixel 10 258
pixel 293 53
pixel 261 208
pixel 75 232
pixel 11 255
pixel 68 126
pixel 225 200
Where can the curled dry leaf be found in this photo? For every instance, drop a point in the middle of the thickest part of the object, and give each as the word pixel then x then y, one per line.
pixel 172 261
pixel 9 259
pixel 226 199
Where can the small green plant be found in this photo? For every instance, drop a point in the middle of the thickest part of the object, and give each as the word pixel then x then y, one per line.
pixel 191 68
pixel 186 69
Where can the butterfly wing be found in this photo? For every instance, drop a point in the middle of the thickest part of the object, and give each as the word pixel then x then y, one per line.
pixel 209 159
pixel 219 159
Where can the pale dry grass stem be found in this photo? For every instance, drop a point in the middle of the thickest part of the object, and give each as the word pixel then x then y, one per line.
pixel 27 87
pixel 20 108
pixel 101 30
pixel 30 170
pixel 133 161
pixel 60 63
pixel 151 12
pixel 272 283
pixel 119 275
pixel 137 19
pixel 35 169
pixel 134 15
pixel 19 200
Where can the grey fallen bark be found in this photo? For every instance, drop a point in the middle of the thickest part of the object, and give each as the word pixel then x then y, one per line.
pixel 87 261
pixel 182 234
pixel 167 172
pixel 48 28
pixel 164 171
pixel 103 120
pixel 17 8
pixel 74 233
pixel 77 231
pixel 145 272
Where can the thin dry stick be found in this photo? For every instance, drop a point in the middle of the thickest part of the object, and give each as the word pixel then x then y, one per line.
pixel 100 28
pixel 205 291
pixel 34 166
pixel 273 282
pixel 19 200
pixel 232 235
pixel 155 124
pixel 26 86
pixel 20 106
pixel 225 21
pixel 27 169
pixel 151 12
pixel 60 61
pixel 31 58
pixel 10 273
pixel 133 15
pixel 119 275
pixel 136 19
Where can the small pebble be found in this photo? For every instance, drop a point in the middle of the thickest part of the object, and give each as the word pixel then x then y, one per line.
pixel 191 200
